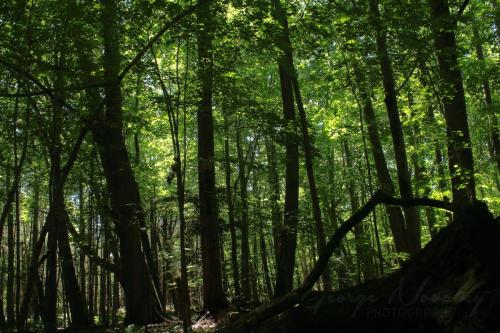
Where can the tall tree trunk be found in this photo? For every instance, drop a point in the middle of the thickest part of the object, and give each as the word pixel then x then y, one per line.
pixel 362 240
pixel 3 321
pixel 404 179
pixel 245 246
pixel 340 267
pixel 420 178
pixel 232 222
pixel 288 236
pixel 285 45
pixel 178 168
pixel 308 151
pixel 34 239
pixel 78 309
pixel 50 298
pixel 58 214
pixel 142 303
pixel 460 161
pixel 214 298
pixel 265 265
pixel 273 179
pixel 91 242
pixel 82 230
pixel 103 285
pixel 10 265
pixel 488 101
pixel 396 219
pixel 18 243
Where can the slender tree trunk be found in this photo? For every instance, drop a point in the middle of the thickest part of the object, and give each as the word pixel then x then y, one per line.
pixel 460 161
pixel 50 298
pixel 184 301
pixel 91 242
pixel 7 217
pixel 340 267
pixel 308 150
pixel 396 219
pixel 245 246
pixel 3 321
pixel 103 285
pixel 288 237
pixel 404 178
pixel 265 265
pixel 79 315
pixel 214 298
pixel 18 244
pixel 232 222
pixel 59 215
pixel 362 240
pixel 33 281
pixel 34 239
pixel 142 303
pixel 286 47
pixel 82 230
pixel 488 101
pixel 186 311
pixel 273 179
pixel 10 265
pixel 116 298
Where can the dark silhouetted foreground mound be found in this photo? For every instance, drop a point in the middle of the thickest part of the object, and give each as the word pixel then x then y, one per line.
pixel 453 285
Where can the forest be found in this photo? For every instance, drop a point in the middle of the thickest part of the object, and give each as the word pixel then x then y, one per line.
pixel 242 166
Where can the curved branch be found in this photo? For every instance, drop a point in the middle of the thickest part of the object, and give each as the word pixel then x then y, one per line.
pixel 283 303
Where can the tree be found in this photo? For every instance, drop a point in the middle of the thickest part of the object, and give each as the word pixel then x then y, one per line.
pixel 142 303
pixel 460 159
pixel 214 298
pixel 288 232
pixel 412 218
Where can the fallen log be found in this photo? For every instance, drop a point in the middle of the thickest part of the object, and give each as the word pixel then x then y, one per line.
pixel 452 285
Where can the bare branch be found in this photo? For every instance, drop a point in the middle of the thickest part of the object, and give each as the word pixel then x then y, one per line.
pixel 283 303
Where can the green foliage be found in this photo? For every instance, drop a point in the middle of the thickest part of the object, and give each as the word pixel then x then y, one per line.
pixel 330 39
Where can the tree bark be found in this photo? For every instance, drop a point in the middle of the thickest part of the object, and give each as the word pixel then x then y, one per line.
pixel 231 220
pixel 178 169
pixel 214 298
pixel 460 159
pixel 362 242
pixel 244 223
pixel 10 265
pixel 396 218
pixel 488 101
pixel 79 315
pixel 404 179
pixel 59 218
pixel 308 151
pixel 273 179
pixel 288 234
pixel 142 303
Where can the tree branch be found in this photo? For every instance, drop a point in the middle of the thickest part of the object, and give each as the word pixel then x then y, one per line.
pixel 45 90
pixel 283 303
pixel 462 8
pixel 88 122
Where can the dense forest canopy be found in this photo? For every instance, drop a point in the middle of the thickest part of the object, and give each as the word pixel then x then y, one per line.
pixel 164 159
